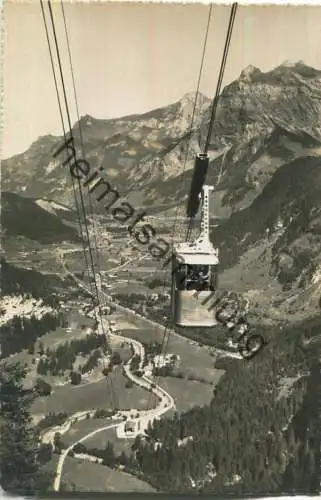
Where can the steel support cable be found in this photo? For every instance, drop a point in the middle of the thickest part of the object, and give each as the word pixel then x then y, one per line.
pixel 115 399
pixel 221 76
pixel 67 110
pixel 75 195
pixel 80 133
pixel 79 184
pixel 198 85
pixel 166 335
pixel 190 131
pixel 217 93
pixel 193 113
pixel 65 138
pixel 215 101
pixel 218 90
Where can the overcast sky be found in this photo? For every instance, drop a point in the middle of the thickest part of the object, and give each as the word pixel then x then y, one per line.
pixel 129 58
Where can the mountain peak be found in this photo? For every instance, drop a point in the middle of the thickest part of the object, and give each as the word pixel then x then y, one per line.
pixel 190 97
pixel 298 67
pixel 286 73
pixel 291 64
pixel 249 71
pixel 86 120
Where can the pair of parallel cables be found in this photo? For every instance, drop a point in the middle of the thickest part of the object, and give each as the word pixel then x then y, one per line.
pixel 169 325
pixel 82 210
pixel 80 207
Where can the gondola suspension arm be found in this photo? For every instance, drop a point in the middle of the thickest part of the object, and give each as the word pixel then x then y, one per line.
pixel 202 160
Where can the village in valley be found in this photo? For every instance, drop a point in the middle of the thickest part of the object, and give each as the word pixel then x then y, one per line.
pixel 131 366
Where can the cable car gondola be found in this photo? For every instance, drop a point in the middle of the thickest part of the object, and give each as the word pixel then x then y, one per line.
pixel 194 272
pixel 195 264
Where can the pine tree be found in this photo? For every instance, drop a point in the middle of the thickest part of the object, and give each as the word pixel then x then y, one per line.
pixel 19 444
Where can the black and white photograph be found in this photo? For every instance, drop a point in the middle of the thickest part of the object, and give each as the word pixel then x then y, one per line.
pixel 161 249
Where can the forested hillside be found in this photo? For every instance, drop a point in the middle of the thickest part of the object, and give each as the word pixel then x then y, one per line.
pixel 255 436
pixel 23 217
pixel 30 306
pixel 18 281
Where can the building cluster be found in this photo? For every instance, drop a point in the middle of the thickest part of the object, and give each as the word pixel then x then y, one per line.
pixel 161 361
pixel 132 426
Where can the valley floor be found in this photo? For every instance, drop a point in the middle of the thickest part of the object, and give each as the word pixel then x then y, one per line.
pixel 193 387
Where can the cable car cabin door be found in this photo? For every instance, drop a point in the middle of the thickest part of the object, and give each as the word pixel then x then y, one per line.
pixel 192 287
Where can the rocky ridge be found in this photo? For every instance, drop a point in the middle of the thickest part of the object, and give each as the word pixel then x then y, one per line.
pixel 265 157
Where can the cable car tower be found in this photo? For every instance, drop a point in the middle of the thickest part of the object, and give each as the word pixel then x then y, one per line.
pixel 195 273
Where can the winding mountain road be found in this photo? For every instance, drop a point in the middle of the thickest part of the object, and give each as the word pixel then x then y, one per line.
pixel 166 400
pixel 65 452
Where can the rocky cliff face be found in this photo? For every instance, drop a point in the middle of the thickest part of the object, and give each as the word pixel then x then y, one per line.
pixel 134 151
pixel 266 119
pixel 265 165
pixel 263 120
pixel 274 244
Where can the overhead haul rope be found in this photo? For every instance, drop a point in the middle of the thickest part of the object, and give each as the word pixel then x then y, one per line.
pixel 79 185
pixel 65 136
pixel 167 331
pixel 188 135
pixel 91 207
pixel 71 135
pixel 217 93
pixel 114 396
pixel 221 76
pixel 212 118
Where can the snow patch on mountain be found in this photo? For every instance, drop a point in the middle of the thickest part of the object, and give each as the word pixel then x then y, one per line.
pixel 316 278
pixel 52 166
pixel 51 206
